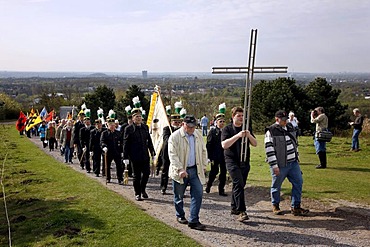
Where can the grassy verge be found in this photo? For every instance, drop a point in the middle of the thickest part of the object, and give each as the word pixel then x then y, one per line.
pixel 347 176
pixel 52 205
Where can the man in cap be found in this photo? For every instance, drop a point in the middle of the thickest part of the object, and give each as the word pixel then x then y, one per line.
pixel 111 144
pixel 231 137
pixel 188 158
pixel 282 156
pixel 216 156
pixel 136 143
pixel 167 131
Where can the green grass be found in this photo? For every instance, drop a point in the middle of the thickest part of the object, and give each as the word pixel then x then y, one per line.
pixel 347 176
pixel 49 204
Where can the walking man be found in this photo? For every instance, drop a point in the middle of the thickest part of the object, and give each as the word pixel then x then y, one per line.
pixel 136 147
pixel 167 131
pixel 231 138
pixel 216 156
pixel 188 158
pixel 282 156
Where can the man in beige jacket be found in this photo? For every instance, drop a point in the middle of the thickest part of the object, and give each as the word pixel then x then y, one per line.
pixel 188 156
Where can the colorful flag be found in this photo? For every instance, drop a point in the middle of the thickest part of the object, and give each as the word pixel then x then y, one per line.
pixel 50 116
pixel 43 112
pixel 20 125
pixel 157 120
pixel 32 121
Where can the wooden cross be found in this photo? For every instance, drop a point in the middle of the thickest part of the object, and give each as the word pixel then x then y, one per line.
pixel 250 70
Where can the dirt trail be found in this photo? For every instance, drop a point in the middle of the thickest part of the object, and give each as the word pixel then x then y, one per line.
pixel 334 223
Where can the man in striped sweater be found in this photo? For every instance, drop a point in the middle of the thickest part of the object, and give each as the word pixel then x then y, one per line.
pixel 282 156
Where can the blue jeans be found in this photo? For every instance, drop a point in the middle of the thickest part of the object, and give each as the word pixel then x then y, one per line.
pixel 196 194
pixel 319 146
pixel 293 172
pixel 355 141
pixel 204 130
pixel 68 153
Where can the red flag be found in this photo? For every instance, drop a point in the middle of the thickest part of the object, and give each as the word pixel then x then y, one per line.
pixel 20 125
pixel 49 117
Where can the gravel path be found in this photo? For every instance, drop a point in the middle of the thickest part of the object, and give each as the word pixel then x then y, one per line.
pixel 334 223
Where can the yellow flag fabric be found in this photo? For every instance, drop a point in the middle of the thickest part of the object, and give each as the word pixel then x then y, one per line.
pixel 157 120
pixel 34 120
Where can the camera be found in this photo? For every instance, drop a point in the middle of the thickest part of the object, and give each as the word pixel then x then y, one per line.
pixel 315 113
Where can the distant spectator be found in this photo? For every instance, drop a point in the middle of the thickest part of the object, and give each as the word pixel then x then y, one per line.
pixel 319 118
pixel 357 128
pixel 204 124
pixel 294 121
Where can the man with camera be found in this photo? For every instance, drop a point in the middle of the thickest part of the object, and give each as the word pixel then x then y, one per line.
pixel 319 118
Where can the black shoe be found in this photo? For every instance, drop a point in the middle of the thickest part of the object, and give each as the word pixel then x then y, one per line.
pixel 145 195
pixel 182 220
pixel 107 181
pixel 71 161
pixel 120 182
pixel 88 171
pixel 163 191
pixel 235 212
pixel 96 175
pixel 222 193
pixel 208 189
pixel 138 198
pixel 320 167
pixel 197 226
pixel 82 167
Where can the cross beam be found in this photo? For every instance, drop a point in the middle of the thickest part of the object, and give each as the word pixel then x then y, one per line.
pixel 245 70
pixel 249 71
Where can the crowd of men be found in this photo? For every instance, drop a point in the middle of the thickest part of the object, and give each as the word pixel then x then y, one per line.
pixel 185 155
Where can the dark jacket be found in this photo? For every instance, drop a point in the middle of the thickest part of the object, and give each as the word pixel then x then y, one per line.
pixel 357 124
pixel 136 142
pixel 214 147
pixel 76 132
pixel 166 135
pixel 113 141
pixel 95 136
pixel 85 136
pixel 280 144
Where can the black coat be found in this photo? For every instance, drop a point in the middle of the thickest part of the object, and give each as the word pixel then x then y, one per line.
pixel 214 147
pixel 113 141
pixel 136 142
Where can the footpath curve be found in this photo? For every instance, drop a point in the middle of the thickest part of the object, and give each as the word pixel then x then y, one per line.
pixel 334 223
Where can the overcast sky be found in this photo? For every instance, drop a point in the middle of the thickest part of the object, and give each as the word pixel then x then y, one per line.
pixel 183 35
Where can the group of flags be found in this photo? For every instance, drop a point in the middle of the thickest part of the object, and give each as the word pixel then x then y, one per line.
pixel 25 122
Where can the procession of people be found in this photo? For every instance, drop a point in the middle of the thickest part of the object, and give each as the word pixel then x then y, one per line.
pixel 184 154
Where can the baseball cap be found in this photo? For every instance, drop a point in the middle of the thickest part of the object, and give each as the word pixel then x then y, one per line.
pixel 282 115
pixel 190 120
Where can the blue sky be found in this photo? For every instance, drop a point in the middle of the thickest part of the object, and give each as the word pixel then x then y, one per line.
pixel 183 36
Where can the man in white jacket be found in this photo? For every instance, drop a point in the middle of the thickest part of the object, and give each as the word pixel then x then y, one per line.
pixel 188 156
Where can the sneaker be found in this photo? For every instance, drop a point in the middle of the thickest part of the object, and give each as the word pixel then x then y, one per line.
pixel 276 209
pixel 298 211
pixel 145 195
pixel 138 198
pixel 197 226
pixel 182 220
pixel 243 216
